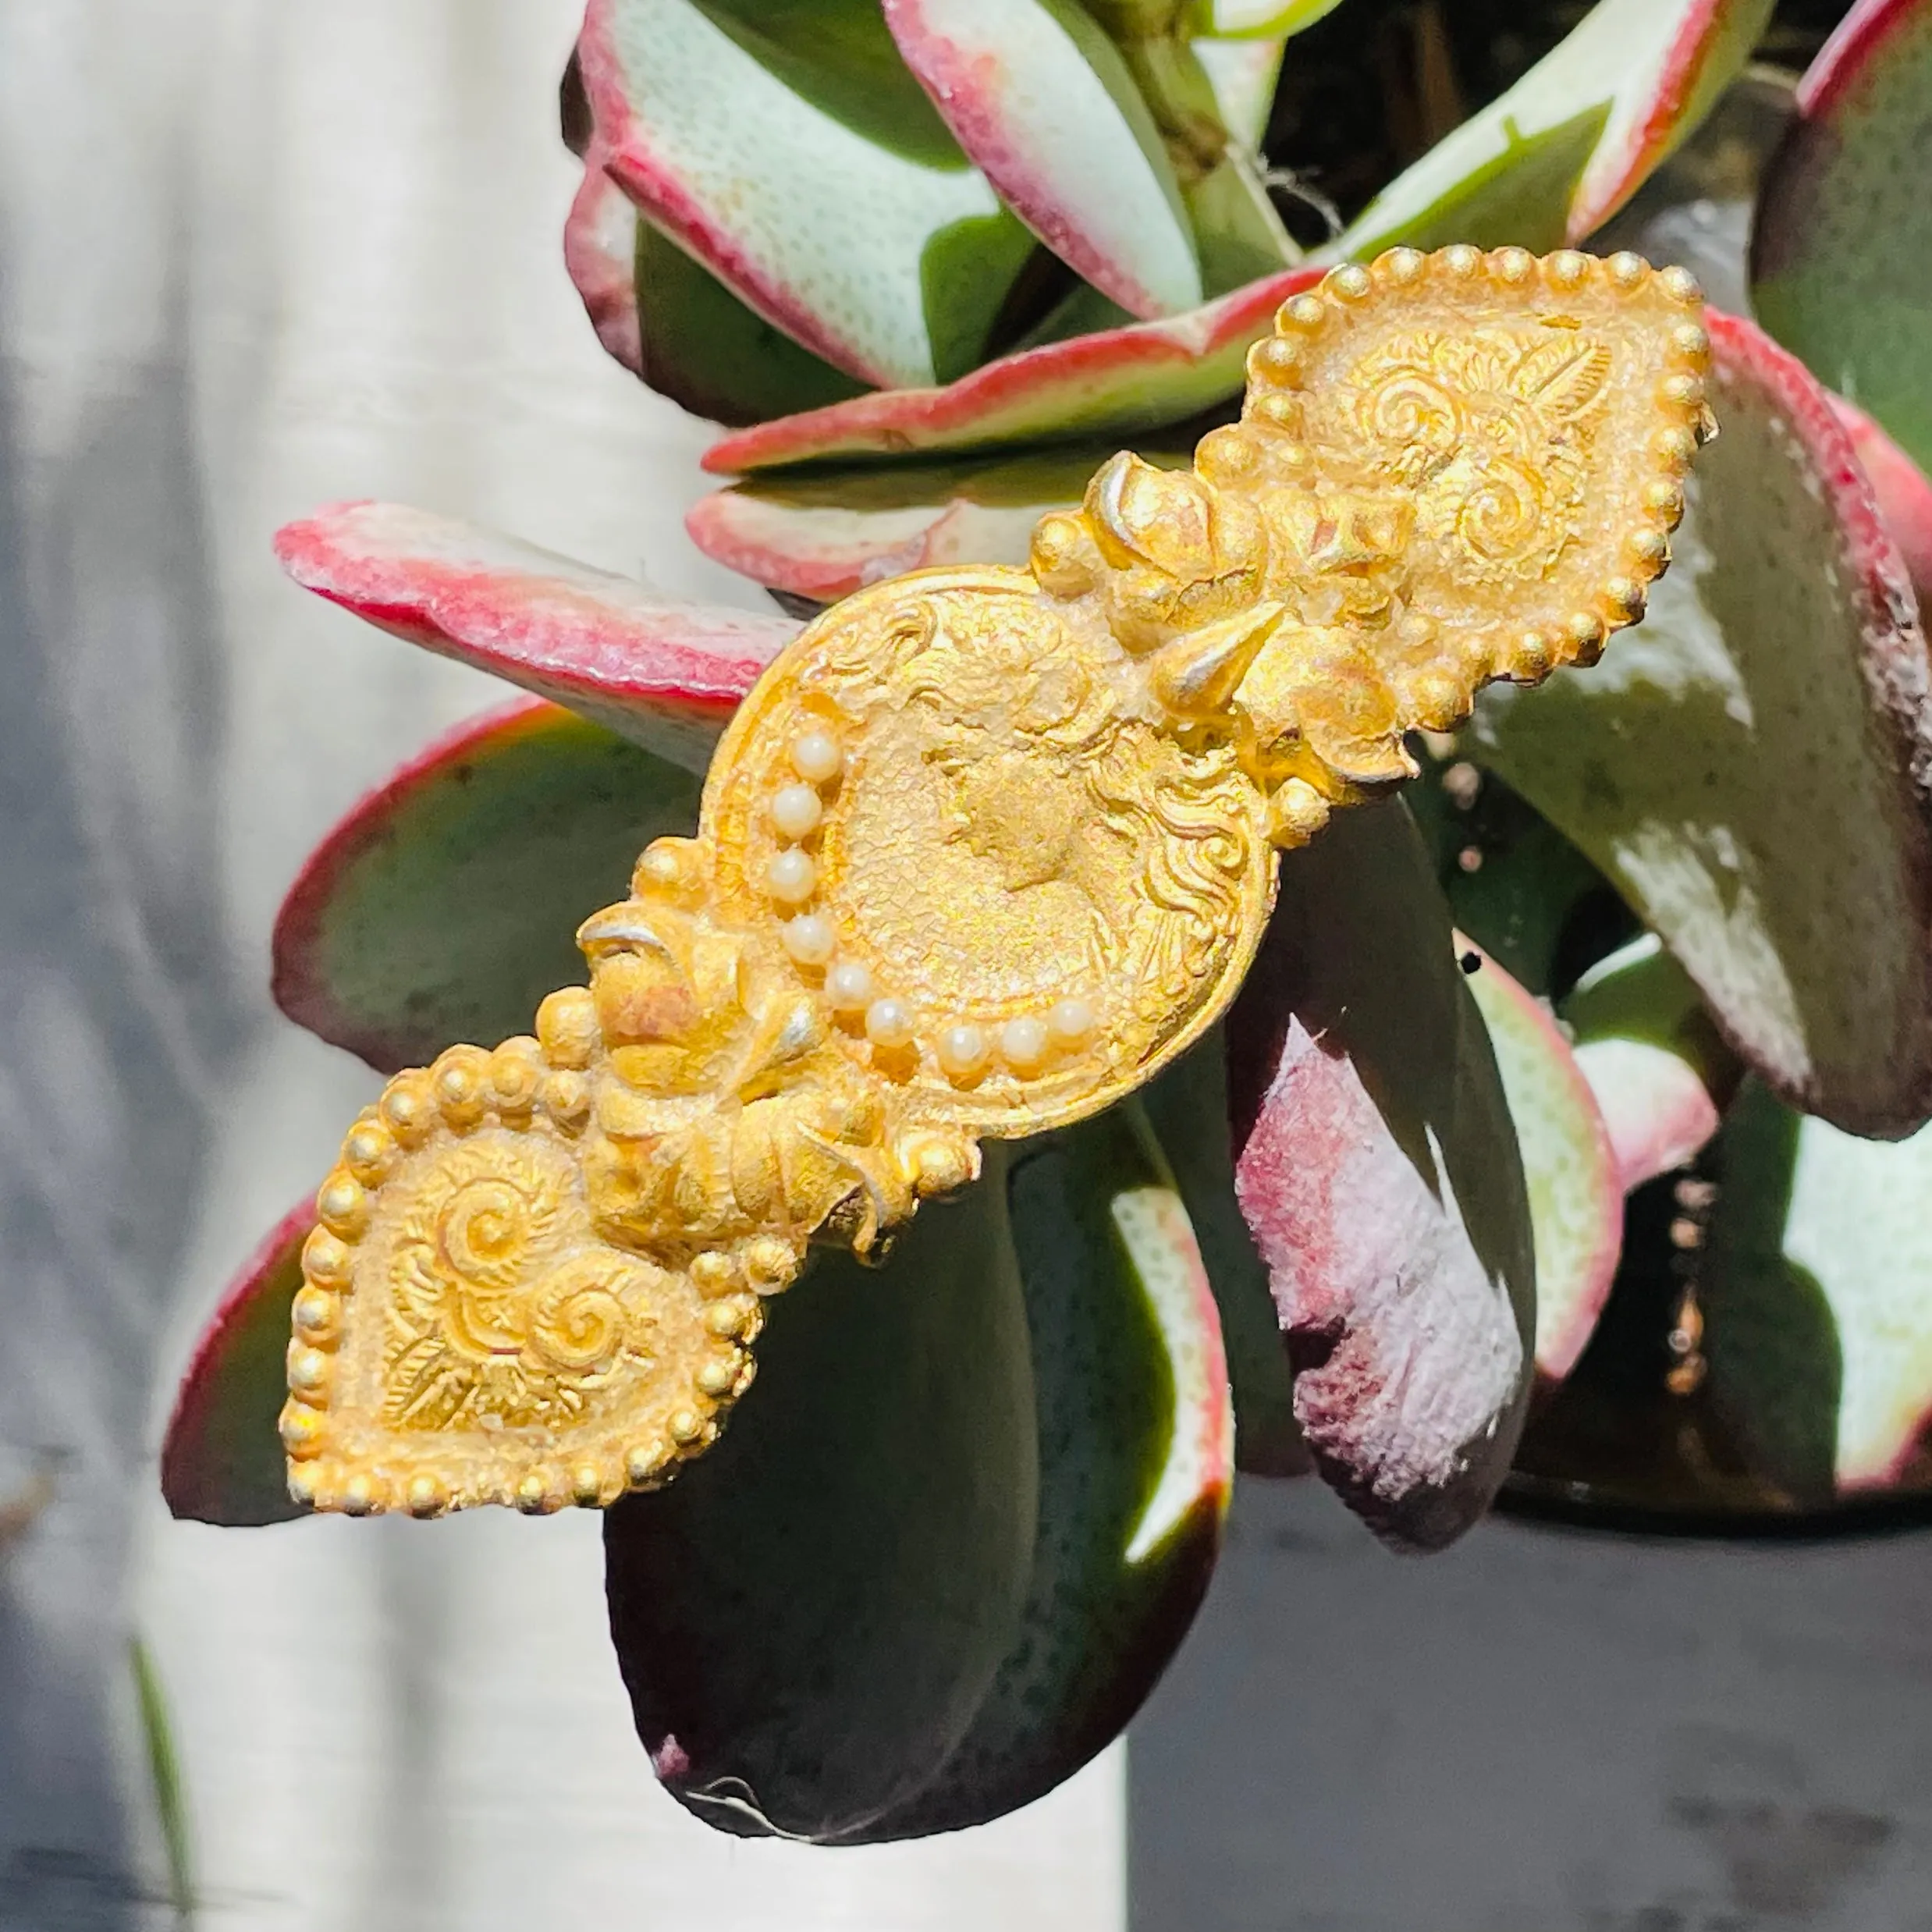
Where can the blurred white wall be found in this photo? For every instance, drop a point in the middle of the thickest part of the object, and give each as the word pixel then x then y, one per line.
pixel 256 255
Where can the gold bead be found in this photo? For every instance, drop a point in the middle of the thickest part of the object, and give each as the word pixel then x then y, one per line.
pixel 1665 500
pixel 1625 594
pixel 301 1429
pixel 1296 812
pixel 1567 269
pixel 1399 265
pixel 643 1460
pixel 360 1495
pixel 586 1485
pixel 713 1274
pixel 342 1205
pixel 686 1427
pixel 1681 286
pixel 317 1315
pixel 1350 282
pixel 1650 549
pixel 1275 360
pixel 1512 266
pixel 325 1260
pixel 668 868
pixel 566 1096
pixel 769 1264
pixel 1683 392
pixel 716 1376
pixel 1690 341
pixel 1675 446
pixel 1302 311
pixel 1460 260
pixel 1584 629
pixel 407 1107
pixel 461 1076
pixel 368 1151
pixel 304 1481
pixel 1275 409
pixel 308 1373
pixel 1532 657
pixel 516 1071
pixel 726 1319
pixel 533 1495
pixel 1626 270
pixel 567 1025
pixel 426 1496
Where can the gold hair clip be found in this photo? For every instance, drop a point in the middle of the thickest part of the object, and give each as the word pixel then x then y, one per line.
pixel 982 850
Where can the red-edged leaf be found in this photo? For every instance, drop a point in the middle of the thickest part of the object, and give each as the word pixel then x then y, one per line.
pixel 1751 765
pixel 1841 257
pixel 442 908
pixel 222 1460
pixel 1379 1170
pixel 1653 1058
pixel 824 534
pixel 600 253
pixel 1045 104
pixel 1903 490
pixel 666 674
pixel 1553 158
pixel 828 212
pixel 1115 383
pixel 953 1535
pixel 1576 1195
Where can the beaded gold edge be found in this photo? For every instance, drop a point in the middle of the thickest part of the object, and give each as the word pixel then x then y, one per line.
pixel 981 852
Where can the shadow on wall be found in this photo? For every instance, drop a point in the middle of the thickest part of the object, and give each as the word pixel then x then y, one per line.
pixel 117 1021
pixel 1541 1731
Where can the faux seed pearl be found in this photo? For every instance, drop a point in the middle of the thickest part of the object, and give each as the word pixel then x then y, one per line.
pixel 1023 1044
pixel 1070 1022
pixel 796 811
pixel 815 756
pixel 849 986
pixel 888 1023
pixel 790 877
pixel 962 1050
pixel 809 939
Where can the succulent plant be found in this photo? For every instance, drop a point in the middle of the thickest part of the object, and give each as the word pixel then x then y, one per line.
pixel 1634 1153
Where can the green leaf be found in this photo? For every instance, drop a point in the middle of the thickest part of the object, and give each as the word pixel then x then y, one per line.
pixel 1379 1170
pixel 1558 155
pixel 1842 258
pixel 824 533
pixel 954 1535
pixel 1751 766
pixel 1119 382
pixel 1653 1058
pixel 1576 1204
pixel 221 1459
pixel 1188 1106
pixel 811 209
pixel 164 1771
pixel 442 907
pixel 1044 102
pixel 1258 18
pixel 1131 1401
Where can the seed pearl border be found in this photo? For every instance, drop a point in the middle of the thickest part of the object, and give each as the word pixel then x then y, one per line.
pixel 525 1083
pixel 1026 1046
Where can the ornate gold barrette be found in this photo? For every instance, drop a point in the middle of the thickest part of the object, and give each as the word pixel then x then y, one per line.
pixel 982 850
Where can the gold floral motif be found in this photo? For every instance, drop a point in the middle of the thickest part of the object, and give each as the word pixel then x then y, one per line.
pixel 981 850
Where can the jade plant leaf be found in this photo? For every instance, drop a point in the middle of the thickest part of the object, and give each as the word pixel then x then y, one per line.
pixel 1130 1402
pixel 1576 1195
pixel 1652 1056
pixel 1045 101
pixel 665 673
pixel 221 1460
pixel 442 907
pixel 1903 490
pixel 1751 764
pixel 1188 1106
pixel 1553 157
pixel 840 211
pixel 950 1541
pixel 1244 74
pixel 1116 383
pixel 1841 256
pixel 1379 1170
pixel 1816 1278
pixel 822 533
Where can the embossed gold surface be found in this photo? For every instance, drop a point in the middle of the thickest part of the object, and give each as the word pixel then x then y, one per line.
pixel 982 850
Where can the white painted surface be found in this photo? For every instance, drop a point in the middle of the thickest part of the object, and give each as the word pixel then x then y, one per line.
pixel 255 257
